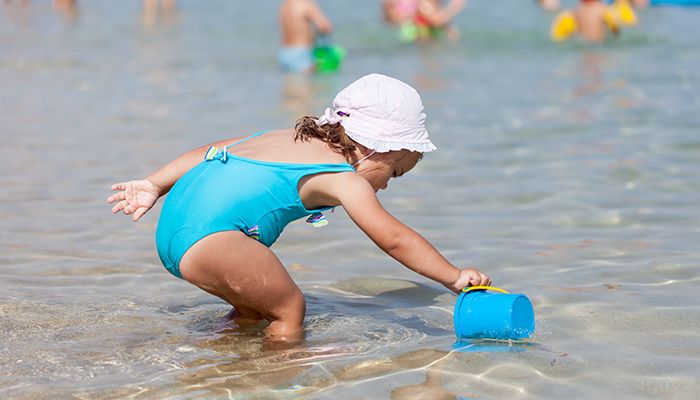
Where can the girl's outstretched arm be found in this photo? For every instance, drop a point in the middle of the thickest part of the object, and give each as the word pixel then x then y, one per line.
pixel 398 240
pixel 136 197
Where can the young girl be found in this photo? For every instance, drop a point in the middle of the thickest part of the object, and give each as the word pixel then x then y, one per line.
pixel 222 214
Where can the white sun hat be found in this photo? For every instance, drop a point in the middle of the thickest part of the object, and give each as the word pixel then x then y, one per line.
pixel 382 114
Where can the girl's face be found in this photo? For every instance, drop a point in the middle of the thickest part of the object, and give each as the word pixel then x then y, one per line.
pixel 381 167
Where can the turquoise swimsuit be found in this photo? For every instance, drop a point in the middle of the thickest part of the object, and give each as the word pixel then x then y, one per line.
pixel 230 193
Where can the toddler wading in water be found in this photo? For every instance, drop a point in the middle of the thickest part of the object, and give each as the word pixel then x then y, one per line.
pixel 300 23
pixel 223 213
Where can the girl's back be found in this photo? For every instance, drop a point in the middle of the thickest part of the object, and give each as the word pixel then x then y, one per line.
pixel 279 146
pixel 251 185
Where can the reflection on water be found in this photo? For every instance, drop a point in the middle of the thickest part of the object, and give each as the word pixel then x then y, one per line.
pixel 67 8
pixel 158 12
pixel 569 173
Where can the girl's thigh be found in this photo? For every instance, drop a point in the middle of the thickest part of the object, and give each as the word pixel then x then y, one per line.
pixel 246 274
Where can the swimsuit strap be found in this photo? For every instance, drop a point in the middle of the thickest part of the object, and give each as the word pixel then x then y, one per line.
pixel 214 153
pixel 245 138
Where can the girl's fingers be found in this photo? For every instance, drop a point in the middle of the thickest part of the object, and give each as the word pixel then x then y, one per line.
pixel 139 213
pixel 116 197
pixel 119 206
pixel 484 279
pixel 479 279
pixel 119 186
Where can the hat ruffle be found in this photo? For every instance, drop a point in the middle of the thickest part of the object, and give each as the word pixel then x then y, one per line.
pixel 383 146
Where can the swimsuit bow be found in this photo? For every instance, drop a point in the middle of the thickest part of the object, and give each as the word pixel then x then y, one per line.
pixel 213 153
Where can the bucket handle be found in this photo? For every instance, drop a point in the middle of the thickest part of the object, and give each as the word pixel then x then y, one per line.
pixel 495 289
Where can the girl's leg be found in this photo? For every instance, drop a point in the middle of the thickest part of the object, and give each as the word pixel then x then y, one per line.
pixel 249 276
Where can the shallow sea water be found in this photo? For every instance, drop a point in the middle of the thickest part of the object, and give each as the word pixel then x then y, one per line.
pixel 568 173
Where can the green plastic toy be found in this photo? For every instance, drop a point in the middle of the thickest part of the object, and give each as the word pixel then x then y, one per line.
pixel 328 57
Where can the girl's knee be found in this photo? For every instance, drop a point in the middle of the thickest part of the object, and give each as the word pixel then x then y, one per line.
pixel 290 313
pixel 288 310
pixel 287 331
pixel 292 308
pixel 287 319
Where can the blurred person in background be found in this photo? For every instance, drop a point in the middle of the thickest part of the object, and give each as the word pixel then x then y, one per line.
pixel 592 17
pixel 423 20
pixel 67 8
pixel 639 3
pixel 300 22
pixel 592 20
pixel 549 5
pixel 397 12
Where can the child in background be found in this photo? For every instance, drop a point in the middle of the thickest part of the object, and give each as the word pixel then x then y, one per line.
pixel 423 20
pixel 68 8
pixel 298 21
pixel 397 12
pixel 222 214
pixel 640 3
pixel 433 15
pixel 592 20
pixel 549 5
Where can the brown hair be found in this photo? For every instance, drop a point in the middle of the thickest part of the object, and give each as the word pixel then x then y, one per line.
pixel 333 134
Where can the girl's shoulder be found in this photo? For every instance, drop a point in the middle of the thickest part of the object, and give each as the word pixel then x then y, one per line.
pixel 340 184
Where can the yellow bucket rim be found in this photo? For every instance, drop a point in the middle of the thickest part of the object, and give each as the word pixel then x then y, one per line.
pixel 495 289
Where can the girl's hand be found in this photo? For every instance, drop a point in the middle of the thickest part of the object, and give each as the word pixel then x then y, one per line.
pixel 470 277
pixel 134 197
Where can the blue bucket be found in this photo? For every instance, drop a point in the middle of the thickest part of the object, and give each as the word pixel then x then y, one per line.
pixel 500 315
